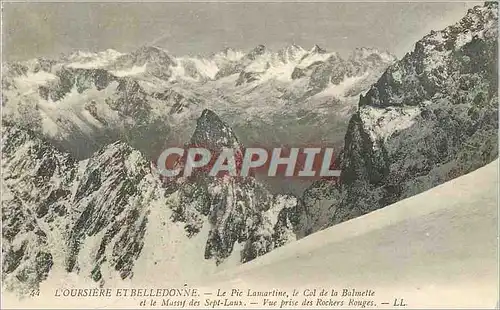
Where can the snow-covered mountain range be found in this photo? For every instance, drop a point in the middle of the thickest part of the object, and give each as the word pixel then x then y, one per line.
pixel 150 98
pixel 80 196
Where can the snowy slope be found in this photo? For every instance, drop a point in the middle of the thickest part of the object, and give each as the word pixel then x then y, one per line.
pixel 436 249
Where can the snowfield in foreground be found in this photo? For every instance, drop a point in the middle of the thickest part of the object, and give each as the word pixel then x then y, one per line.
pixel 438 249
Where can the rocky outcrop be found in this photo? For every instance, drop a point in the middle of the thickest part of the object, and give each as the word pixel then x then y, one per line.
pixel 92 217
pixel 80 79
pixel 431 117
pixel 36 189
pixel 238 210
pixel 156 62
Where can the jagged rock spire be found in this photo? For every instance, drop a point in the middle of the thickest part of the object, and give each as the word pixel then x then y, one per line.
pixel 212 132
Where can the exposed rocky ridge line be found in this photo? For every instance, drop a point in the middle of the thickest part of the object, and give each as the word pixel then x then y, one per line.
pixel 431 117
pixel 94 217
pixel 239 210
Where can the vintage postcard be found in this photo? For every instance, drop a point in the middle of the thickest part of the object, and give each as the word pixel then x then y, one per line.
pixel 249 155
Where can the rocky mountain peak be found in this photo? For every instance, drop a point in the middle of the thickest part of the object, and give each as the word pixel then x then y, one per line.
pixel 440 61
pixel 158 62
pixel 316 49
pixel 291 53
pixel 152 54
pixel 212 132
pixel 150 50
pixel 227 50
pixel 371 54
pixel 238 210
pixel 478 23
pixel 228 54
pixel 431 117
pixel 257 51
pixel 292 48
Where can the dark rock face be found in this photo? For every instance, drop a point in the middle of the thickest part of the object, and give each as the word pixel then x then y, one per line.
pixel 81 79
pixel 180 102
pixel 120 170
pixel 157 61
pixel 257 51
pixel 316 207
pixel 16 69
pixel 459 63
pixel 92 216
pixel 211 132
pixel 431 117
pixel 35 193
pixel 43 64
pixel 238 214
pixel 238 210
pixel 54 205
pixel 442 101
pixel 131 100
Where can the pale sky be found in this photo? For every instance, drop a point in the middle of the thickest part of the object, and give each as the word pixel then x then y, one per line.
pixel 48 29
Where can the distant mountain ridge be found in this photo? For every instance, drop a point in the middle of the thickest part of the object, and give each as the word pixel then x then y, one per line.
pixel 159 63
pixel 85 100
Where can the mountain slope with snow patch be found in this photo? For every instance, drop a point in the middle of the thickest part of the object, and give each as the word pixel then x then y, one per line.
pixel 438 249
pixel 431 117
